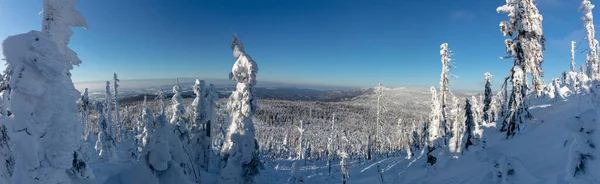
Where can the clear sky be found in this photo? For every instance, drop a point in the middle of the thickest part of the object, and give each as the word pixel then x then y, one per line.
pixel 337 42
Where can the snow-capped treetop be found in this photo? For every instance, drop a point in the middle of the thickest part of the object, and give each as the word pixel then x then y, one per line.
pixel 525 24
pixel 588 21
pixel 161 96
pixel 116 80
pixel 199 104
pixel 59 15
pixel 444 76
pixel 178 109
pixel 244 70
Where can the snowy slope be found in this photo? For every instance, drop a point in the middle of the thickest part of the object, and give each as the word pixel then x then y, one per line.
pixel 539 155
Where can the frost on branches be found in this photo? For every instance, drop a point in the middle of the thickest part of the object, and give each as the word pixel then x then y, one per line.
pixel 524 44
pixel 44 126
pixel 444 88
pixel 591 59
pixel 240 150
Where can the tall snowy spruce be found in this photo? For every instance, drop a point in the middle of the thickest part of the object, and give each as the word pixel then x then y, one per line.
pixel 591 59
pixel 445 89
pixel 119 125
pixel 524 44
pixel 108 106
pixel 44 126
pixel 240 150
pixel 487 100
pixel 469 137
pixel 200 134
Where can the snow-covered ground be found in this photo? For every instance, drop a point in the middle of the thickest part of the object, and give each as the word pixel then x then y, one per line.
pixel 539 154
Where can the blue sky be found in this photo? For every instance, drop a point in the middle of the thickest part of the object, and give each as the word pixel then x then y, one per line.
pixel 336 42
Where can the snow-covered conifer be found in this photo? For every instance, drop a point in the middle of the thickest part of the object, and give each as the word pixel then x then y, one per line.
pixel 200 134
pixel 84 111
pixel 44 128
pixel 488 98
pixel 118 122
pixel 300 150
pixel 588 21
pixel 434 128
pixel 468 136
pixel 177 109
pixel 199 105
pixel 108 98
pixel 458 129
pixel 241 149
pixel 557 90
pixel 105 144
pixel 524 44
pixel 162 97
pixel 445 89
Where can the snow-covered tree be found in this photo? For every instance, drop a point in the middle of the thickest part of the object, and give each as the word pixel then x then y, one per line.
pixel 468 136
pixel 84 113
pixel 476 113
pixel 583 164
pixel 145 126
pixel 524 44
pixel 591 59
pixel 488 98
pixel 330 148
pixel 119 125
pixel 178 111
pixel 108 101
pixel 557 90
pixel 199 105
pixel 344 155
pixel 300 149
pixel 458 129
pixel 162 97
pixel 200 134
pixel 435 129
pixel 241 149
pixel 105 144
pixel 44 127
pixel 444 88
